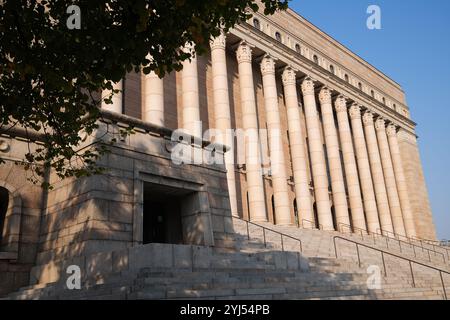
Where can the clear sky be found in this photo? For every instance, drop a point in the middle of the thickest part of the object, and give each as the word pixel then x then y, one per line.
pixel 413 48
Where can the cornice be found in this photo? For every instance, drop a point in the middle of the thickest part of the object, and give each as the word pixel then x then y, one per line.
pixel 289 56
pixel 334 62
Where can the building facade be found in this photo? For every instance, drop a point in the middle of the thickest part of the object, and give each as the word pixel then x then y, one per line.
pixel 329 143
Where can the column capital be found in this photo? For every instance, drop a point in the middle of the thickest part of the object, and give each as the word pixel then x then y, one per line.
pixel 325 95
pixel 391 130
pixel 289 76
pixel 244 52
pixel 267 65
pixel 218 42
pixel 380 124
pixel 368 118
pixel 340 104
pixel 355 111
pixel 308 86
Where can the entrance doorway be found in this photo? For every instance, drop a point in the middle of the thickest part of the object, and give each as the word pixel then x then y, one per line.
pixel 162 220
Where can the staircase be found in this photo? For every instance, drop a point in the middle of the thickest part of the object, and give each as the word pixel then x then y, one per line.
pixel 262 262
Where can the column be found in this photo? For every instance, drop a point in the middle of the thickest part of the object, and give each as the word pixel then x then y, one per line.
pixel 370 206
pixel 316 151
pixel 384 212
pixel 334 158
pixel 117 98
pixel 255 184
pixel 297 146
pixel 351 170
pixel 277 160
pixel 402 188
pixel 222 112
pixel 153 106
pixel 389 178
pixel 190 95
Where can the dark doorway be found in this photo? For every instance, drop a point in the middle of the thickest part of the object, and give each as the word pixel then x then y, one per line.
pixel 274 215
pixel 154 223
pixel 297 220
pixel 316 216
pixel 162 221
pixel 4 202
pixel 333 215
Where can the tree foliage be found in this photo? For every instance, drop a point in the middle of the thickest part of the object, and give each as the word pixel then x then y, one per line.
pixel 49 75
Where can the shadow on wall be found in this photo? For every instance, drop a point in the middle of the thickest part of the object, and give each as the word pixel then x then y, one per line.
pixel 165 271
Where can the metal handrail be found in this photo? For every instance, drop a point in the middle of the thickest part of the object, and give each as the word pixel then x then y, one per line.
pixel 410 240
pixel 313 223
pixel 444 243
pixel 383 253
pixel 352 229
pixel 396 235
pixel 412 245
pixel 282 235
pixel 433 243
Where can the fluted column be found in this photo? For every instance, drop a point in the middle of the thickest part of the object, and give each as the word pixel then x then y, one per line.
pixel 255 185
pixel 384 212
pixel 277 160
pixel 351 170
pixel 190 95
pixel 222 113
pixel 117 98
pixel 334 158
pixel 153 106
pixel 297 146
pixel 389 178
pixel 316 151
pixel 400 179
pixel 370 205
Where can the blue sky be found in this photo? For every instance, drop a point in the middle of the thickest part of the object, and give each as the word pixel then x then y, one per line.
pixel 413 48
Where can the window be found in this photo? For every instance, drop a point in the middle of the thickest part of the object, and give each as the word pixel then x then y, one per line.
pixel 347 79
pixel 360 86
pixel 298 48
pixel 332 69
pixel 316 59
pixel 372 93
pixel 278 36
pixel 4 199
pixel 384 100
pixel 256 24
pixel 394 106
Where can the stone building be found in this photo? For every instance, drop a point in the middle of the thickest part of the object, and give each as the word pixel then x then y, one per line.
pixel 341 142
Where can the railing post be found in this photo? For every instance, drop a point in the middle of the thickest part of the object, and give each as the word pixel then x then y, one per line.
pixel 248 231
pixel 264 235
pixel 357 252
pixel 443 285
pixel 335 248
pixel 414 249
pixel 400 245
pixel 384 263
pixel 412 274
pixel 429 255
pixel 387 243
pixel 282 243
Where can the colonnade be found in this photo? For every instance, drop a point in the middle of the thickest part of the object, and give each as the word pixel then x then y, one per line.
pixel 356 168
